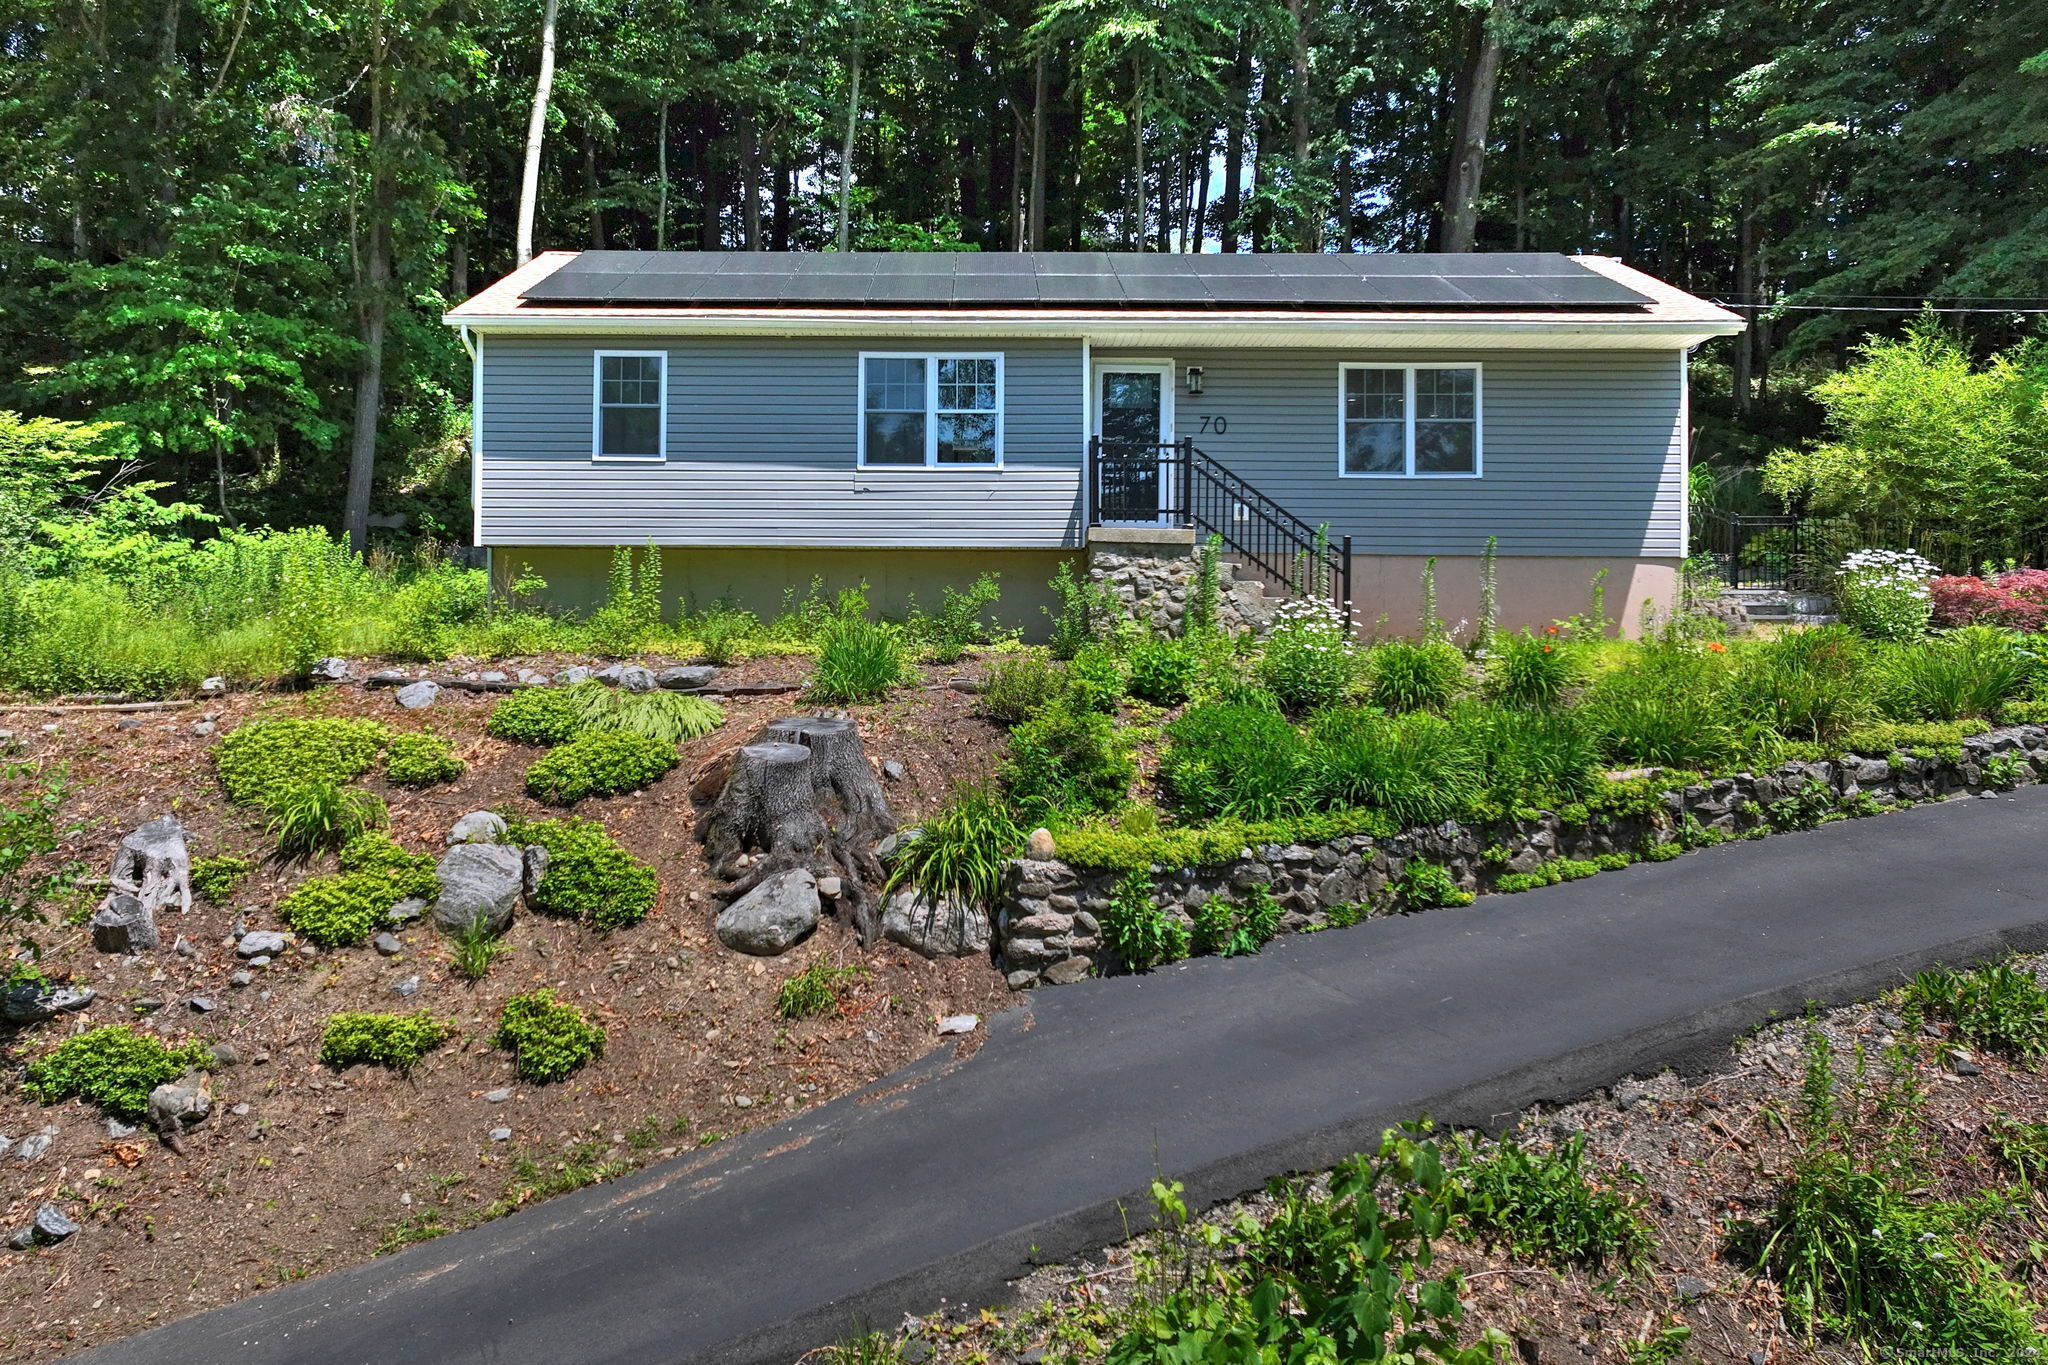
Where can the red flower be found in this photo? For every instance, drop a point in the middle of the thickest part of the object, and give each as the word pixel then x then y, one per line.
pixel 1717 646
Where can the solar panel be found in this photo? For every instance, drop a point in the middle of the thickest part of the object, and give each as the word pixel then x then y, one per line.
pixel 1507 280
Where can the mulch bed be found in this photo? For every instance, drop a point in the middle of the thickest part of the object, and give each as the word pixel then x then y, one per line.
pixel 322 1167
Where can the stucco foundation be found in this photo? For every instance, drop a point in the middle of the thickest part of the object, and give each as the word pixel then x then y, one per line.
pixel 1532 590
pixel 757 579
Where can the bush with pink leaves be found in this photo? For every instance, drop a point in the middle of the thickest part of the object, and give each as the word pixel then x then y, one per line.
pixel 2017 598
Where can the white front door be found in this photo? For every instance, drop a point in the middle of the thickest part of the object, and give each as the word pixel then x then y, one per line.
pixel 1134 420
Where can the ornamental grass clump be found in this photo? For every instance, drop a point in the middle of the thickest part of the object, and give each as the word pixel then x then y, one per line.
pixel 1530 758
pixel 396 1041
pixel 1973 671
pixel 1535 669
pixel 599 763
pixel 962 848
pixel 307 817
pixel 1884 593
pixel 859 661
pixel 548 1040
pixel 1230 759
pixel 1811 685
pixel 113 1067
pixel 1666 708
pixel 1414 675
pixel 1418 768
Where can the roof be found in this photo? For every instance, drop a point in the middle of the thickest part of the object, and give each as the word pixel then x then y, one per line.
pixel 1112 299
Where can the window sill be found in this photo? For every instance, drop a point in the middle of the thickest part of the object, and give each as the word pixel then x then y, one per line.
pixel 1409 478
pixel 629 459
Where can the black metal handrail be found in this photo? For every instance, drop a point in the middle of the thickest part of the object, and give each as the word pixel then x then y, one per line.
pixel 1175 484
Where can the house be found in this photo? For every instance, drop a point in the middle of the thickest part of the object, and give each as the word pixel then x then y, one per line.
pixel 913 419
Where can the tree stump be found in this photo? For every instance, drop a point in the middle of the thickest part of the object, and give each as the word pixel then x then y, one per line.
pixel 803 795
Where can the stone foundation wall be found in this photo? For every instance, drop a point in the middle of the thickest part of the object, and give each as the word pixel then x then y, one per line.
pixel 1049 915
pixel 1152 580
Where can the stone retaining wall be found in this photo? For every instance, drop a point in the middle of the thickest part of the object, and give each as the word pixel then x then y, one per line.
pixel 1152 578
pixel 1048 917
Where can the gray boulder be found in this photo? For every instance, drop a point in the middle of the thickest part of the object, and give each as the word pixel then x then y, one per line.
pixel 261 943
pixel 407 910
pixel 329 670
pixel 634 678
pixel 419 695
pixel 573 674
pixel 492 675
pixel 478 827
pixel 213 686
pixel 934 927
pixel 31 1147
pixel 610 674
pixel 29 1003
pixel 536 868
pixel 772 918
pixel 479 883
pixel 123 924
pixel 685 677
pixel 177 1105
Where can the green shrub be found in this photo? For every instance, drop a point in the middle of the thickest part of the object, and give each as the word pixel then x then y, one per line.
pixel 1880 738
pixel 1534 669
pixel 548 1040
pixel 340 911
pixel 1414 675
pixel 859 661
pixel 589 877
pixel 1307 663
pixel 1667 708
pixel 215 879
pixel 721 632
pixel 1542 1205
pixel 1142 935
pixel 1531 758
pixel 1563 870
pixel 961 848
pixel 2001 1007
pixel 598 763
pixel 261 758
pixel 814 991
pixel 1096 680
pixel 1418 768
pixel 1087 610
pixel 542 715
pixel 307 817
pixel 1428 886
pixel 1067 762
pixel 410 874
pixel 1973 671
pixel 1805 685
pixel 1228 759
pixel 1020 686
pixel 1236 930
pixel 112 1067
pixel 1883 593
pixel 419 758
pixel 1163 670
pixel 397 1041
pixel 947 634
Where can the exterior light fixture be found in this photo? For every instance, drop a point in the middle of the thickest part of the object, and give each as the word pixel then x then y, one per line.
pixel 1194 379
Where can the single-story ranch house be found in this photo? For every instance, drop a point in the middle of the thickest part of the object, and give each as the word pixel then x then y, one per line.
pixel 913 419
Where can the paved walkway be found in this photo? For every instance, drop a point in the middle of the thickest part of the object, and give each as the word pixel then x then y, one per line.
pixel 949 1177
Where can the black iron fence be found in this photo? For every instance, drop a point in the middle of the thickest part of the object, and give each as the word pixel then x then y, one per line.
pixel 1177 485
pixel 1800 554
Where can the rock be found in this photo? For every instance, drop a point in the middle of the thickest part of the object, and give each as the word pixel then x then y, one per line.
pixel 501 1134
pixel 959 1023
pixel 131 723
pixel 572 675
pixel 203 728
pixel 407 910
pixel 1041 848
pixel 686 677
pixel 894 771
pixel 1069 970
pixel 772 918
pixel 497 1096
pixel 479 883
pixel 406 988
pixel 944 927
pixel 532 678
pixel 29 1003
pixel 261 943
pixel 388 677
pixel 417 696
pixel 634 678
pixel 22 1238
pixel 123 924
pixel 176 1105
pixel 242 980
pixel 200 1005
pixel 533 868
pixel 240 1111
pixel 830 887
pixel 117 1129
pixel 492 675
pixel 610 674
pixel 224 1054
pixel 329 670
pixel 183 947
pixel 260 960
pixel 1962 1065
pixel 213 686
pixel 478 827
pixel 388 945
pixel 895 843
pixel 1021 979
pixel 1690 1287
pixel 31 1147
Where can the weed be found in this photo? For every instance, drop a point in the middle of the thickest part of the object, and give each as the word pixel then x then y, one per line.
pixel 215 879
pixel 423 1226
pixel 473 949
pixel 2001 1007
pixel 1237 930
pixel 1086 611
pixel 957 625
pixel 1542 1205
pixel 309 816
pixel 1660 1348
pixel 113 1067
pixel 1142 935
pixel 1163 670
pixel 1067 761
pixel 1019 687
pixel 814 991
pixel 397 1041
pixel 858 661
pixel 1096 678
pixel 1428 886
pixel 547 1039
pixel 581 1166
pixel 2006 771
pixel 599 763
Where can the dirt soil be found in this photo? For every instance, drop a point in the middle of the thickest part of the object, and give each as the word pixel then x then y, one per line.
pixel 1709 1152
pixel 302 1169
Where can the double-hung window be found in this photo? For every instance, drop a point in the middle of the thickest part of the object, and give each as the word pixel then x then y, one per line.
pixel 1409 421
pixel 930 410
pixel 632 397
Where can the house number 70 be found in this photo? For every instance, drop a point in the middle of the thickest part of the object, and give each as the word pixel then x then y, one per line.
pixel 1219 425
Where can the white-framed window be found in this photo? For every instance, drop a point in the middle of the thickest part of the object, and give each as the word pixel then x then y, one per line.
pixel 629 406
pixel 1408 422
pixel 930 411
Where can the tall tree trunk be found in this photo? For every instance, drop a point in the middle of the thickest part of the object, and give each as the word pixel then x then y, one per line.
pixel 1137 232
pixel 1198 228
pixel 591 189
pixel 1468 153
pixel 1309 231
pixel 1745 295
pixel 1233 152
pixel 1035 232
pixel 376 301
pixel 458 265
pixel 1262 149
pixel 163 153
pixel 1020 184
pixel 750 180
pixel 536 127
pixel 844 235
pixel 778 218
pixel 661 178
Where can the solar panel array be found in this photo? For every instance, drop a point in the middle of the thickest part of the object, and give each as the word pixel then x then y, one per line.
pixel 1079 279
